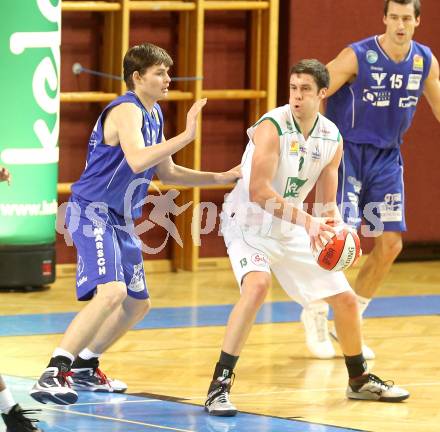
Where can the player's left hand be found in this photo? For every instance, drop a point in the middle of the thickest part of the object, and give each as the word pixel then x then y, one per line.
pixel 230 176
pixel 339 224
pixel 5 175
pixel 320 231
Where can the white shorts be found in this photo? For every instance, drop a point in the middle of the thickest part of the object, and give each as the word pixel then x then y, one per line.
pixel 289 258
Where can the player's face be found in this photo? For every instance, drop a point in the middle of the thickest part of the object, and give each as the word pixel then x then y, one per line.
pixel 400 22
pixel 154 82
pixel 305 97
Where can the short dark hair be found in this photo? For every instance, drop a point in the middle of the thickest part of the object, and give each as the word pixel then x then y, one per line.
pixel 140 58
pixel 416 4
pixel 314 68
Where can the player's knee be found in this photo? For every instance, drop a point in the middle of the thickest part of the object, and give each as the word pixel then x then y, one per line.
pixel 136 309
pixel 345 303
pixel 391 248
pixel 255 289
pixel 111 294
pixel 396 247
pixel 143 308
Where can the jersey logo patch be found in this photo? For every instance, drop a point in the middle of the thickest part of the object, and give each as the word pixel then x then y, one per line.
pixel 408 102
pixel 391 208
pixel 80 279
pixel 137 280
pixel 259 259
pixel 414 81
pixel 379 77
pixel 372 56
pixel 316 154
pixel 418 63
pixel 293 150
pixel 293 185
pixel 357 184
pixel 377 98
pixel 323 131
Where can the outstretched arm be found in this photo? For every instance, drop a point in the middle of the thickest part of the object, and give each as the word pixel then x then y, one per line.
pixel 432 88
pixel 170 173
pixel 128 120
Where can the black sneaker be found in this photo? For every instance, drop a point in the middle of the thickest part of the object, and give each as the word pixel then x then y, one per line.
pixel 53 386
pixel 371 387
pixel 16 420
pixel 217 402
pixel 88 377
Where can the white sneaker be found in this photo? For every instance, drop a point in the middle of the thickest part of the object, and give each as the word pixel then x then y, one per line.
pixel 371 387
pixel 94 380
pixel 367 352
pixel 218 402
pixel 317 336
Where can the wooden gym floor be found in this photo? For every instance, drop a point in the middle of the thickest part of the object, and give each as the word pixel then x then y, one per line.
pixel 167 362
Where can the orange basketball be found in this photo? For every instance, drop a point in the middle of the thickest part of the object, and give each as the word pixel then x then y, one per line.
pixel 342 253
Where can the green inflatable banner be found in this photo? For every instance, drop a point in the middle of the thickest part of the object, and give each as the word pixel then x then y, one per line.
pixel 30 37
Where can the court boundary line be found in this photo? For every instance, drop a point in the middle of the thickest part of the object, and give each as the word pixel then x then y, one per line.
pixel 151 425
pixel 184 400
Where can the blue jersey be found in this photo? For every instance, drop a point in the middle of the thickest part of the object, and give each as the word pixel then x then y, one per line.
pixel 378 106
pixel 107 177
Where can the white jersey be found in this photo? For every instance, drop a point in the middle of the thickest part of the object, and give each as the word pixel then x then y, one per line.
pixel 300 164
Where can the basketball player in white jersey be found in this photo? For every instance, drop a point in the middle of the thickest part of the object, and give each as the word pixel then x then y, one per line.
pixel 291 149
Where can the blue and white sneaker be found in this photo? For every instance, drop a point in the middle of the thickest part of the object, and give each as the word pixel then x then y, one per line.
pixel 94 380
pixel 53 386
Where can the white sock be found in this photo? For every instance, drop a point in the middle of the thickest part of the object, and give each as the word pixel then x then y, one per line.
pixel 86 354
pixel 6 401
pixel 318 306
pixel 363 303
pixel 64 353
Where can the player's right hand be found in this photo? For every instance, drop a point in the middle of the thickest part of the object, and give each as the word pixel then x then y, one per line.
pixel 320 231
pixel 191 118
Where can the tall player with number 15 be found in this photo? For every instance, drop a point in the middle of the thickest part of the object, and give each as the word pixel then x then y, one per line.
pixel 375 85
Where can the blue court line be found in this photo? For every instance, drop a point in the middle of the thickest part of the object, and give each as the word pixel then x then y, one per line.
pixel 127 413
pixel 217 315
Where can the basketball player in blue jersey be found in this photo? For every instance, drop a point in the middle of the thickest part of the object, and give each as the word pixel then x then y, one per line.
pixel 375 85
pixel 126 148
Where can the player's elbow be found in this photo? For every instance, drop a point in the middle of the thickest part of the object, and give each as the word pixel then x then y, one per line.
pixel 135 166
pixel 165 178
pixel 168 175
pixel 137 169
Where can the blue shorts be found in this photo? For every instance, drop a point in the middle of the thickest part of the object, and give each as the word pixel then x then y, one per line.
pixel 107 250
pixel 370 186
